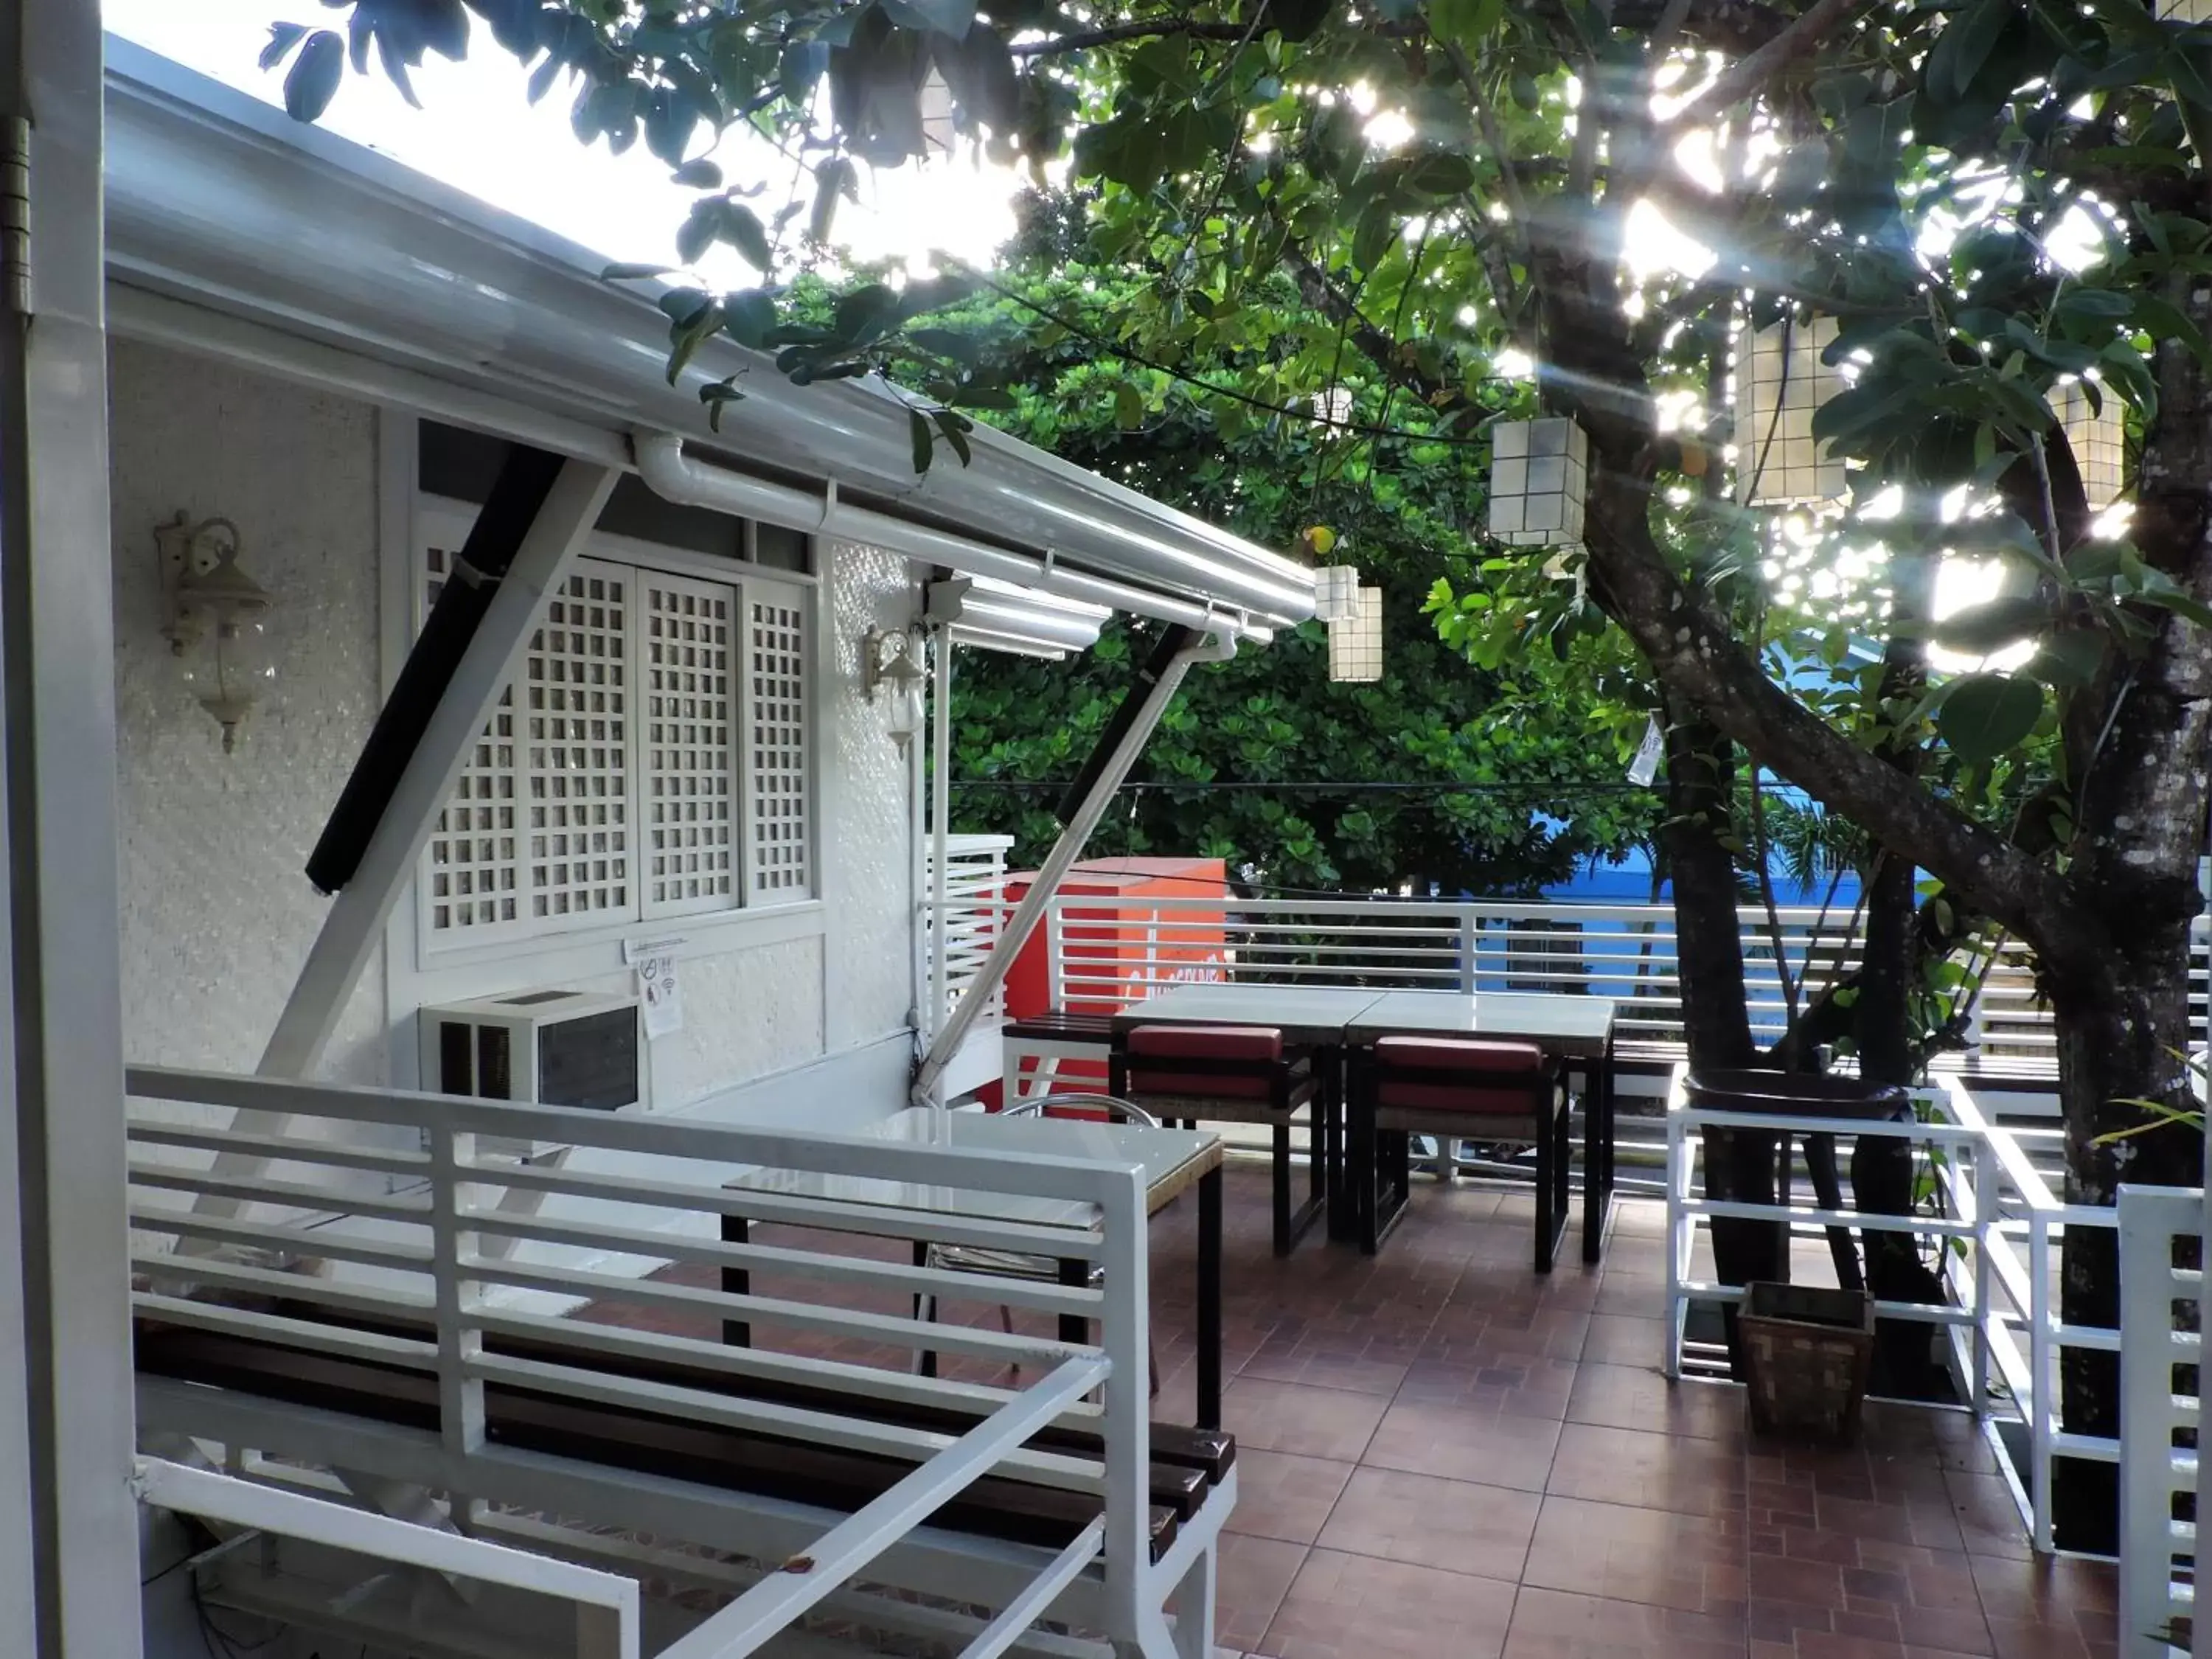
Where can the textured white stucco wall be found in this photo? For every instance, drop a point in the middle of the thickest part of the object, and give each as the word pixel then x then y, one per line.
pixel 868 852
pixel 217 915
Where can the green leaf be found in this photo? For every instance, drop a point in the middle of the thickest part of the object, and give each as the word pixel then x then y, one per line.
pixel 955 427
pixel 632 273
pixel 283 37
pixel 741 227
pixel 2069 660
pixel 748 316
pixel 1984 716
pixel 1128 407
pixel 699 174
pixel 313 81
pixel 924 438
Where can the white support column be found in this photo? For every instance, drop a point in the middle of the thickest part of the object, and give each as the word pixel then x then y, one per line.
pixel 940 830
pixel 1005 946
pixel 68 1538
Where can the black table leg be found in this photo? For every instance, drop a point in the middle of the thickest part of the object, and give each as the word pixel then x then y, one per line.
pixel 1075 1273
pixel 1343 1223
pixel 1597 1154
pixel 1209 1299
pixel 737 1281
pixel 923 1303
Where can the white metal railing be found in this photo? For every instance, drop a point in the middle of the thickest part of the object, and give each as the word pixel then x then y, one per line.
pixel 337 1243
pixel 2161 1348
pixel 962 911
pixel 1995 1229
pixel 1102 954
pixel 606 1603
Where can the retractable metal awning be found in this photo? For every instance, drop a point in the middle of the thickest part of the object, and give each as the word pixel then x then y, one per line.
pixel 232 229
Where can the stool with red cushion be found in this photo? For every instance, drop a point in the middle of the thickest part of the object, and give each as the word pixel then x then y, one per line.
pixel 1233 1074
pixel 1448 1087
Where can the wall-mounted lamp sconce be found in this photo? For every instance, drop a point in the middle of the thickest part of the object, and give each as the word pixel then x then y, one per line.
pixel 888 660
pixel 217 620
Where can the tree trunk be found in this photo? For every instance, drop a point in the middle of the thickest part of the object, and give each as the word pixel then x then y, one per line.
pixel 1709 943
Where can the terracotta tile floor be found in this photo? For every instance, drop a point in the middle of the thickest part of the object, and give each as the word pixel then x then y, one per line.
pixel 1443 1454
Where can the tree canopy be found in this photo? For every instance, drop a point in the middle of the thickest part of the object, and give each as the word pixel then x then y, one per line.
pixel 1497 781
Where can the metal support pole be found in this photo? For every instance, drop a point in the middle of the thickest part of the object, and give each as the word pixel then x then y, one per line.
pixel 69 1523
pixel 941 832
pixel 1065 852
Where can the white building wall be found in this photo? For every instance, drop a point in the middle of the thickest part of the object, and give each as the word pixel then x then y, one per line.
pixel 217 915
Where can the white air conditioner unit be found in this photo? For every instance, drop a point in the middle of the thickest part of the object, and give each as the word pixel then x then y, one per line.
pixel 575 1048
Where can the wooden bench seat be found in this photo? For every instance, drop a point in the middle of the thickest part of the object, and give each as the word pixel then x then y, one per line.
pixel 1185 1463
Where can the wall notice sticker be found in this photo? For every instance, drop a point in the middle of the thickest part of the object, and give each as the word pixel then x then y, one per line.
pixel 661 994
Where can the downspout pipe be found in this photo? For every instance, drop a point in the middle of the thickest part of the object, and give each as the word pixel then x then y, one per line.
pixel 1178 653
pixel 676 476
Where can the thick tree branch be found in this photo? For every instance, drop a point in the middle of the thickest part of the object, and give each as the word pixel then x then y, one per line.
pixel 1750 73
pixel 1143 28
pixel 1697 656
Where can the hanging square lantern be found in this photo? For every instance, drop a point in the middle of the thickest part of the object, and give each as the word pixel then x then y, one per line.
pixel 1780 382
pixel 1538 472
pixel 1355 647
pixel 1336 592
pixel 2097 438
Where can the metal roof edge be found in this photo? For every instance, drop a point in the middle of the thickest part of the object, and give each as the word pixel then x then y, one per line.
pixel 221 200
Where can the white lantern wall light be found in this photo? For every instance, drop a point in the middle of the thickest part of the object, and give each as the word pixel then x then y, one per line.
pixel 1781 383
pixel 217 619
pixel 2098 436
pixel 1355 644
pixel 1538 477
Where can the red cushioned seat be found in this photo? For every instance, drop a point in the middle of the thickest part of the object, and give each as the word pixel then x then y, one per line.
pixel 1405 1095
pixel 1256 1044
pixel 1470 1055
pixel 1246 1055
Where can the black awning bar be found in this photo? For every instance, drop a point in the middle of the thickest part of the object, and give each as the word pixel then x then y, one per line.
pixel 526 479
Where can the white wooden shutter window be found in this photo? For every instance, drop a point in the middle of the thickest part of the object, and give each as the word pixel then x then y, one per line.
pixel 577 748
pixel 652 759
pixel 780 827
pixel 687 663
pixel 473 885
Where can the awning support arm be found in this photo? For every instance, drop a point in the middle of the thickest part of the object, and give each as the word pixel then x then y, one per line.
pixel 354 922
pixel 1118 748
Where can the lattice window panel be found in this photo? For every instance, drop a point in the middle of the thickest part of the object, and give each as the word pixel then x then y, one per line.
pixel 687 668
pixel 472 874
pixel 576 718
pixel 779 830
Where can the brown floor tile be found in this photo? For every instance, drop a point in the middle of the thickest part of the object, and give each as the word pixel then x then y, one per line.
pixel 1351 1606
pixel 1988 1520
pixel 1678 1472
pixel 1463 1444
pixel 1253 1575
pixel 1282 1495
pixel 1355 1373
pixel 1610 1550
pixel 1640 1397
pixel 1623 1339
pixel 1453 1525
pixel 1289 1417
pixel 1554 1625
pixel 1507 1384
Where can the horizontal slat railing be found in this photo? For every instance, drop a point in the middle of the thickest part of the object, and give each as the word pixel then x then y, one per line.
pixel 1104 955
pixel 1993 1232
pixel 338 1244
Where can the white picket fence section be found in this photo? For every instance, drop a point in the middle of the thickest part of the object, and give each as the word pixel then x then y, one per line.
pixel 961 913
pixel 2161 1348
pixel 368 1225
